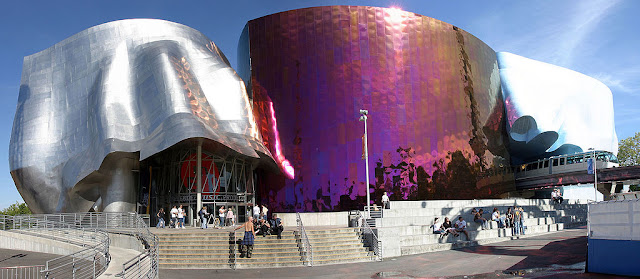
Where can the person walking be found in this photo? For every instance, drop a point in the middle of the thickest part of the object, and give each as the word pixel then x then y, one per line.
pixel 160 216
pixel 385 201
pixel 222 213
pixel 246 246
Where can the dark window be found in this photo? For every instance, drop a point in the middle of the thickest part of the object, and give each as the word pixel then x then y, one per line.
pixel 555 162
pixel 546 163
pixel 561 161
pixel 570 160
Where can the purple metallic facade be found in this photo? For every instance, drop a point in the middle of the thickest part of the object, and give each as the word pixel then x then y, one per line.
pixel 436 125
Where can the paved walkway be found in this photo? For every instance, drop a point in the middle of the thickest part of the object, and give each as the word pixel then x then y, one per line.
pixel 9 257
pixel 553 255
pixel 118 257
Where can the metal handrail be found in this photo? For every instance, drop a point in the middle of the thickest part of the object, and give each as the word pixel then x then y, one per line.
pixel 307 251
pixel 369 238
pixel 85 263
pixel 23 272
pixel 234 250
pixel 144 265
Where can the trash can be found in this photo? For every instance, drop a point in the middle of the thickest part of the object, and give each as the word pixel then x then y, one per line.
pixel 353 218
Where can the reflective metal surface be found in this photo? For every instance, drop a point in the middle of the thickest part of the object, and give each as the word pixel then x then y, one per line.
pixel 432 91
pixel 553 110
pixel 130 89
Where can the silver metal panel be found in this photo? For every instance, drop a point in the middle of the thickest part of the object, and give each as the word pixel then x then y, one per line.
pixel 138 85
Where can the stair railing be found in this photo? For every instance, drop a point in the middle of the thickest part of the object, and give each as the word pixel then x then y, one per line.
pixel 369 237
pixel 234 247
pixel 307 251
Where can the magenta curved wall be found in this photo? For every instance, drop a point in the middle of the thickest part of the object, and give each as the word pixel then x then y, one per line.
pixel 436 125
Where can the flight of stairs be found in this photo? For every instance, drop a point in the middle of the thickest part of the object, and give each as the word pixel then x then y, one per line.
pixel 215 249
pixel 405 228
pixel 339 245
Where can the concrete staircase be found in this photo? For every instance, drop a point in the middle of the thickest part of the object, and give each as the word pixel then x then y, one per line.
pixel 340 245
pixel 405 228
pixel 214 249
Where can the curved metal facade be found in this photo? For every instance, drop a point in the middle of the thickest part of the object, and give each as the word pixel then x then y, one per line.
pixel 93 105
pixel 436 126
pixel 554 111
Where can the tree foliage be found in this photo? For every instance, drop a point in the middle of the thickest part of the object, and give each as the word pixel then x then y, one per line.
pixel 629 151
pixel 16 209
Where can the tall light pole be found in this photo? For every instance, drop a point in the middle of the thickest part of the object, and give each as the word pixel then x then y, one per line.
pixel 595 175
pixel 363 117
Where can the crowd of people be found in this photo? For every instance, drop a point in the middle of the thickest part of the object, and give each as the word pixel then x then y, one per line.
pixel 224 217
pixel 513 219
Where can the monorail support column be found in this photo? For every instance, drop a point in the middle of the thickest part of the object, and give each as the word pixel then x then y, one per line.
pixel 199 175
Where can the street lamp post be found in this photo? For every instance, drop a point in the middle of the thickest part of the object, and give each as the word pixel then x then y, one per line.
pixel 363 117
pixel 595 175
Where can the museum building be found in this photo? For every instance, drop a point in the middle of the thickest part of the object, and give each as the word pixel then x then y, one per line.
pixel 134 115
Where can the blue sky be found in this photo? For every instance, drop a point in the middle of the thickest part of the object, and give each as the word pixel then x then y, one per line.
pixel 598 38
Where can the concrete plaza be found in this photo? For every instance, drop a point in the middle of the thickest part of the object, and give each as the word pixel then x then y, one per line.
pixel 553 255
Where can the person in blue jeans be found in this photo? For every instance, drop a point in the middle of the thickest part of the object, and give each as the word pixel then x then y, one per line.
pixel 222 214
pixel 160 216
pixel 496 217
pixel 203 214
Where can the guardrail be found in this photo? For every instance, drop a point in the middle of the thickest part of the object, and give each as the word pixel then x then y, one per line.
pixel 369 237
pixel 234 247
pixel 625 196
pixel 307 251
pixel 85 263
pixel 144 265
pixel 22 272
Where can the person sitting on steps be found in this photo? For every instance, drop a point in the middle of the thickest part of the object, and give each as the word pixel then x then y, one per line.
pixel 448 227
pixel 496 217
pixel 461 226
pixel 246 245
pixel 480 220
pixel 276 226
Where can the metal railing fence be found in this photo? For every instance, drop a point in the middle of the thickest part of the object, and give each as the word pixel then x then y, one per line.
pixel 85 263
pixel 22 272
pixel 234 249
pixel 307 250
pixel 369 238
pixel 73 228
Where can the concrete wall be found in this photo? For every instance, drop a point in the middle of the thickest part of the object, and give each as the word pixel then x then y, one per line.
pixel 312 219
pixel 15 240
pixel 126 241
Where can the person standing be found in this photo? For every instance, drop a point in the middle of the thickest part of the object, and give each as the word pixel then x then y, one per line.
pixel 222 214
pixel 181 217
pixel 265 210
pixel 385 201
pixel 203 214
pixel 517 217
pixel 256 211
pixel 521 223
pixel 160 216
pixel 231 218
pixel 246 246
pixel 174 217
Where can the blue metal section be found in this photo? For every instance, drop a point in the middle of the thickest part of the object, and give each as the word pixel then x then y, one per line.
pixel 618 257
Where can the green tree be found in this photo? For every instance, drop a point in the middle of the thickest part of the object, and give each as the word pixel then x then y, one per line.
pixel 629 151
pixel 16 209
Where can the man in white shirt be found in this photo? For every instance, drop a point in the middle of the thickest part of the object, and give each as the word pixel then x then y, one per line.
pixel 385 201
pixel 256 212
pixel 554 196
pixel 461 226
pixel 495 216
pixel 264 211
pixel 174 216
